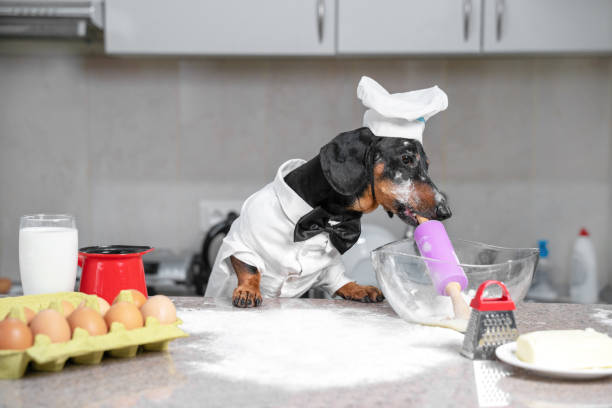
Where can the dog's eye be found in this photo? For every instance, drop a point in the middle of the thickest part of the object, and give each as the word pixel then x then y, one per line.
pixel 407 159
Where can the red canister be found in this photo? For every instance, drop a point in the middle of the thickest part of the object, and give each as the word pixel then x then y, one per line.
pixel 107 270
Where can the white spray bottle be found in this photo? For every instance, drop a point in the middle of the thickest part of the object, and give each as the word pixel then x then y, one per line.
pixel 583 287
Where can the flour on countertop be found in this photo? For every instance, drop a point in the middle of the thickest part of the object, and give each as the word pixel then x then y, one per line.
pixel 312 348
pixel 604 316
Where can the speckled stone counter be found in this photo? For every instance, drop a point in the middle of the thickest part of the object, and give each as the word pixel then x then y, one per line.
pixel 172 379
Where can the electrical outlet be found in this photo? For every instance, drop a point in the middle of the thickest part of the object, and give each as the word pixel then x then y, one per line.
pixel 215 211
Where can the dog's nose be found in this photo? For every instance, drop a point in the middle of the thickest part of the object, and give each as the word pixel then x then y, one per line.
pixel 443 212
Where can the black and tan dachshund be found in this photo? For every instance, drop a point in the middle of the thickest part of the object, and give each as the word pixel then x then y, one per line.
pixel 354 174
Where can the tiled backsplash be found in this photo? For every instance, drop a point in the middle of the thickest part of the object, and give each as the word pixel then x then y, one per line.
pixel 130 146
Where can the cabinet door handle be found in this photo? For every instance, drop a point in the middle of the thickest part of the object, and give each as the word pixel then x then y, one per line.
pixel 320 18
pixel 500 6
pixel 467 13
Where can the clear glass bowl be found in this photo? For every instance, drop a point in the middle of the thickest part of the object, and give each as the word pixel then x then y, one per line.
pixel 404 279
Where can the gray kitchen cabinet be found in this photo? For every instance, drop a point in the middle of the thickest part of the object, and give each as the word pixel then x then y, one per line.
pixel 220 27
pixel 547 26
pixel 409 26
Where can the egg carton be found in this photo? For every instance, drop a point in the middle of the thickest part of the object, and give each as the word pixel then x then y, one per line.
pixel 82 348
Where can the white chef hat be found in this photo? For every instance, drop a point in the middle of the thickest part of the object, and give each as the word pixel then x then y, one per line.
pixel 401 114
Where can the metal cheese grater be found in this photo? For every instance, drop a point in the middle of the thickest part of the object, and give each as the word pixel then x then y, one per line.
pixel 491 324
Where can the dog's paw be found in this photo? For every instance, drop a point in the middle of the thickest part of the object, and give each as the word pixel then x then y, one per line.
pixel 246 296
pixel 364 294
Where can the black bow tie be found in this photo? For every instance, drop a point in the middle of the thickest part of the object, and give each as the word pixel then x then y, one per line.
pixel 342 234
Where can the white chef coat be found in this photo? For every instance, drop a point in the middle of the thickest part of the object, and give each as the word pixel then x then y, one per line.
pixel 263 237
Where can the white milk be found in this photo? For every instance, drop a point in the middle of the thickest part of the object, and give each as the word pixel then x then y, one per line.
pixel 48 259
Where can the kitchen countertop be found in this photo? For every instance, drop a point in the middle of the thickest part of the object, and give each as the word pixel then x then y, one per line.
pixel 176 377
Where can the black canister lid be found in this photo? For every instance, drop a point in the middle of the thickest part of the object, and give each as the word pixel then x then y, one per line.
pixel 114 249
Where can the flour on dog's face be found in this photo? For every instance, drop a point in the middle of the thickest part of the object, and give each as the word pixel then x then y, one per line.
pixel 404 192
pixel 439 196
pixel 403 189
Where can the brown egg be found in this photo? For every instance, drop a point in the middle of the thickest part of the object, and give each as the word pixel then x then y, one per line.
pixel 103 304
pixel 14 335
pixel 161 308
pixel 88 319
pixel 29 314
pixel 68 307
pixel 5 285
pixel 126 313
pixel 137 298
pixel 53 324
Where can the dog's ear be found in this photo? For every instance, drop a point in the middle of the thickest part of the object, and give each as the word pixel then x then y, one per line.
pixel 343 160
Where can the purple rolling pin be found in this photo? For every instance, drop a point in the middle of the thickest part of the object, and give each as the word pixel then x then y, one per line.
pixel 433 242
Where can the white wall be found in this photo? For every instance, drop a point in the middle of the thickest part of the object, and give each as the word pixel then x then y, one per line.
pixel 131 145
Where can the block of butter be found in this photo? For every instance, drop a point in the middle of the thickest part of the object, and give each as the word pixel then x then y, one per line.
pixel 566 349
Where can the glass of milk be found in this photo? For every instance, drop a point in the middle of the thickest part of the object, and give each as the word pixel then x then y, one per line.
pixel 48 253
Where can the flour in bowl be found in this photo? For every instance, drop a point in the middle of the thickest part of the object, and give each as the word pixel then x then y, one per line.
pixel 299 348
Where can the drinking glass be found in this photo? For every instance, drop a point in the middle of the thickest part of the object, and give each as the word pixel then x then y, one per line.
pixel 48 253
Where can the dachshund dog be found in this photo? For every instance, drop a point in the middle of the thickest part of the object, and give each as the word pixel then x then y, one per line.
pixel 352 175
